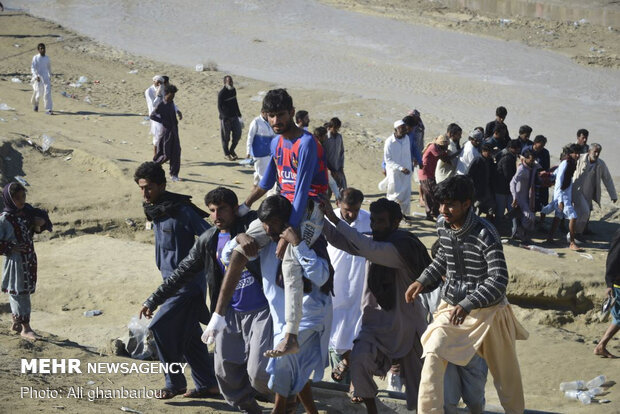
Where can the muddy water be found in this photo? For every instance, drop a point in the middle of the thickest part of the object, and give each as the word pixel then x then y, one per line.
pixel 602 12
pixel 455 77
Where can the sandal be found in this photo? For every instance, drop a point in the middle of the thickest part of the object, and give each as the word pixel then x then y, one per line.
pixel 202 393
pixel 353 399
pixel 166 393
pixel 339 371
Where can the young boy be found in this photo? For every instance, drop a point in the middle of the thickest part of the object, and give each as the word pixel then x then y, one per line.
pixel 168 145
pixel 41 80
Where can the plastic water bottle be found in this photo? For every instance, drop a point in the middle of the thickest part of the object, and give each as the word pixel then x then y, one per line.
pixel 595 382
pixel 541 250
pixel 573 385
pixel 593 392
pixel 91 313
pixel 584 397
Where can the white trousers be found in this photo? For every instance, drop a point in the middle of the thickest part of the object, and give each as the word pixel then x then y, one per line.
pixel 44 88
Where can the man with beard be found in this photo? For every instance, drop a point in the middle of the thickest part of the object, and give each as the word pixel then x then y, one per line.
pixel 391 328
pixel 590 171
pixel 298 164
pixel 176 327
pixel 290 373
pixel 230 118
pixel 474 315
pixel 239 361
pixel 398 165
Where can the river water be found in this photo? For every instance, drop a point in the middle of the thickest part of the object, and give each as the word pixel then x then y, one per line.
pixel 296 43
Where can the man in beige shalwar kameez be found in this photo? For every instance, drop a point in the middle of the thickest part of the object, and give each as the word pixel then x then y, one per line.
pixel 474 315
pixel 390 328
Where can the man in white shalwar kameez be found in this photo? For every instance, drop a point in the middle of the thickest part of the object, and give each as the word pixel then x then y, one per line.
pixel 398 165
pixel 41 80
pixel 349 274
pixel 150 94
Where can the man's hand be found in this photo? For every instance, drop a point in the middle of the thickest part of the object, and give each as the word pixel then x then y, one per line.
pixel 614 201
pixel 180 115
pixel 146 312
pixel 217 323
pixel 248 244
pixel 406 171
pixel 609 292
pixel 281 248
pixel 291 236
pixel 457 315
pixel 413 291
pixel 248 156
pixel 328 210
pixel 561 206
pixel 38 79
pixel 514 203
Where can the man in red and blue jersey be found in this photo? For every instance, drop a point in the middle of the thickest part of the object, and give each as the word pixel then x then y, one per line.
pixel 298 164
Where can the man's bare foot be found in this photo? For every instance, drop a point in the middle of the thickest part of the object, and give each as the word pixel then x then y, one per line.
pixel 29 335
pixel 17 327
pixel 574 247
pixel 603 352
pixel 288 345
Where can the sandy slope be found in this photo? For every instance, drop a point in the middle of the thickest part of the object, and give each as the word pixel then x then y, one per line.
pixel 94 260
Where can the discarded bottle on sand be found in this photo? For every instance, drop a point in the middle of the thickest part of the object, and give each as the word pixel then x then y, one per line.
pixel 573 385
pixel 91 313
pixel 541 250
pixel 582 396
pixel 593 392
pixel 595 382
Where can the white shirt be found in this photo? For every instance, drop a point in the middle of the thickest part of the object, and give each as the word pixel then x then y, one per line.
pixel 349 275
pixel 469 154
pixel 41 67
pixel 397 153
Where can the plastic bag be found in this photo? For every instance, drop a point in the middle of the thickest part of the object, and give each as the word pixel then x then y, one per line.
pixel 140 344
pixel 46 142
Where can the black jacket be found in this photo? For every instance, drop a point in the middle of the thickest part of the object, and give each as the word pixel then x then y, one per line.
pixel 227 103
pixel 506 169
pixel 202 257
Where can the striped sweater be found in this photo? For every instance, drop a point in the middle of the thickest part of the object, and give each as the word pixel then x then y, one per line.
pixel 473 261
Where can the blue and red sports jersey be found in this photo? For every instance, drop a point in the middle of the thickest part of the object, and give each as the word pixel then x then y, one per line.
pixel 300 168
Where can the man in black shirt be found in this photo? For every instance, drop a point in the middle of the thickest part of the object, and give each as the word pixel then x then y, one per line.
pixel 500 116
pixel 230 118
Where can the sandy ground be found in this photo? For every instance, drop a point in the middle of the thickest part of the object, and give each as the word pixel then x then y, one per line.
pixel 585 42
pixel 95 260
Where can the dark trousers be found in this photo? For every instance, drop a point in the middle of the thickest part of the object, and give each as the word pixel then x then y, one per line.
pixel 169 149
pixel 230 126
pixel 431 204
pixel 177 332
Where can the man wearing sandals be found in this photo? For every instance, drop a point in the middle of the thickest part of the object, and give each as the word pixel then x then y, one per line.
pixel 349 275
pixel 474 316
pixel 176 327
pixel 391 328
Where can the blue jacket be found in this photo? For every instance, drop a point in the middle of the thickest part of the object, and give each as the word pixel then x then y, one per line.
pixel 174 238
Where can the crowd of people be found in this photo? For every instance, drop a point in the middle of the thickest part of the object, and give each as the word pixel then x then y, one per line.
pixel 296 286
